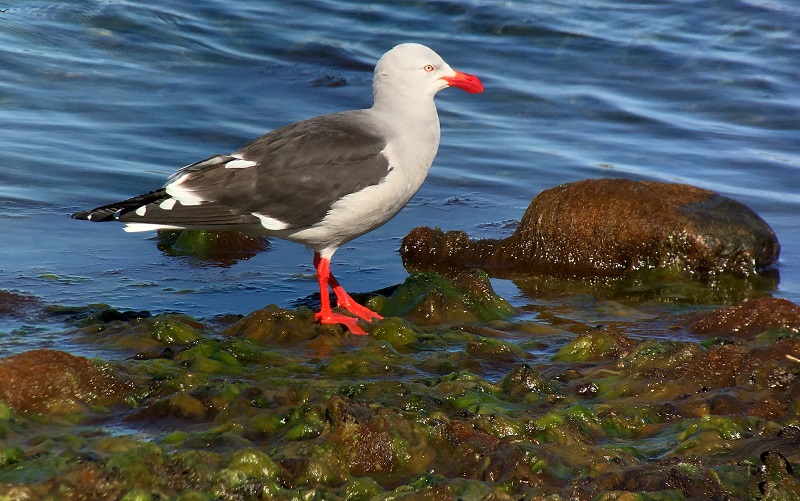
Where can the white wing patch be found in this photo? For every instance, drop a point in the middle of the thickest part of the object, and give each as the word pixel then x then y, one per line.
pixel 215 160
pixel 137 227
pixel 181 194
pixel 141 211
pixel 271 223
pixel 167 204
pixel 240 164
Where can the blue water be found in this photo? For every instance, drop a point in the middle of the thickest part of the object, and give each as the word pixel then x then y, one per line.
pixel 102 100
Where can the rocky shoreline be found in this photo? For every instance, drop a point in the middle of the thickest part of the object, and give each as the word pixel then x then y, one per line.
pixel 671 376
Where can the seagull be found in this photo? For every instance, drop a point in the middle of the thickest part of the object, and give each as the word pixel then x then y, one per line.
pixel 319 182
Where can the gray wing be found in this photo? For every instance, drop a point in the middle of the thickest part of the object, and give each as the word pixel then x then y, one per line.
pixel 292 175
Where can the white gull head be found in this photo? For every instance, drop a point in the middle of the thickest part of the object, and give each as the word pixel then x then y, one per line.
pixel 413 72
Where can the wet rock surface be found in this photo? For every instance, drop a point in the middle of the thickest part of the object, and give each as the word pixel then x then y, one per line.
pixel 750 318
pixel 55 382
pixel 607 227
pixel 454 395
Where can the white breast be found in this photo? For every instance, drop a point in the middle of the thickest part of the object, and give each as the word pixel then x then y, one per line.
pixel 365 210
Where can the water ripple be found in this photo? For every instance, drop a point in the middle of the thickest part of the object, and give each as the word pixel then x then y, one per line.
pixel 101 100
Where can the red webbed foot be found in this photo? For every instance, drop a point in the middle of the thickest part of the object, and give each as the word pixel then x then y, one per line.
pixel 337 318
pixel 356 309
pixel 343 300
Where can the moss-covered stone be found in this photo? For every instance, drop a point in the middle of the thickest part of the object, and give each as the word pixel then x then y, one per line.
pixel 429 298
pixel 596 345
pixel 55 382
pixel 169 330
pixel 550 406
pixel 395 331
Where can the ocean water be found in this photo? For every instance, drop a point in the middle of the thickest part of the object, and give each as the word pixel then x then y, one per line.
pixel 102 100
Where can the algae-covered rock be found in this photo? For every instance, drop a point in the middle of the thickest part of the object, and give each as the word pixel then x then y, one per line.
pixel 596 345
pixel 495 349
pixel 55 382
pixel 429 298
pixel 168 330
pixel 779 484
pixel 395 331
pixel 750 318
pixel 365 440
pixel 137 331
pixel 275 325
pixel 360 489
pixel 603 227
pixel 525 380
pixel 254 464
pixel 549 406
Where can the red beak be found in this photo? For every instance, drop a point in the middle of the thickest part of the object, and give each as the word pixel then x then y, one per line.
pixel 465 81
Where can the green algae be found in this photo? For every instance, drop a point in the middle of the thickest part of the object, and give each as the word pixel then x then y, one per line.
pixel 779 484
pixel 429 298
pixel 10 456
pixel 275 406
pixel 168 330
pixel 596 345
pixel 397 332
pixel 360 489
pixel 254 464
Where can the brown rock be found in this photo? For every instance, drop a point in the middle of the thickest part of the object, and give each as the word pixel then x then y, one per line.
pixel 769 408
pixel 671 474
pixel 606 227
pixel 478 455
pixel 750 318
pixel 716 367
pixel 786 350
pixel 726 404
pixel 735 365
pixel 375 440
pixel 275 325
pixel 54 382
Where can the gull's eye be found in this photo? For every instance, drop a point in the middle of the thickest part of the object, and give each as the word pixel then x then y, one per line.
pixel 428 68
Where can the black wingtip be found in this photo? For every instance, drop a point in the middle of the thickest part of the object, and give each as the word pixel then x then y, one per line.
pixel 96 215
pixel 112 212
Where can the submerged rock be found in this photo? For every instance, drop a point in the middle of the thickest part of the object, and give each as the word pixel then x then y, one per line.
pixel 673 477
pixel 55 382
pixel 16 304
pixel 607 227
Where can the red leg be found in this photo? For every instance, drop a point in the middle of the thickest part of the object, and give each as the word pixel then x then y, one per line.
pixel 344 300
pixel 326 315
